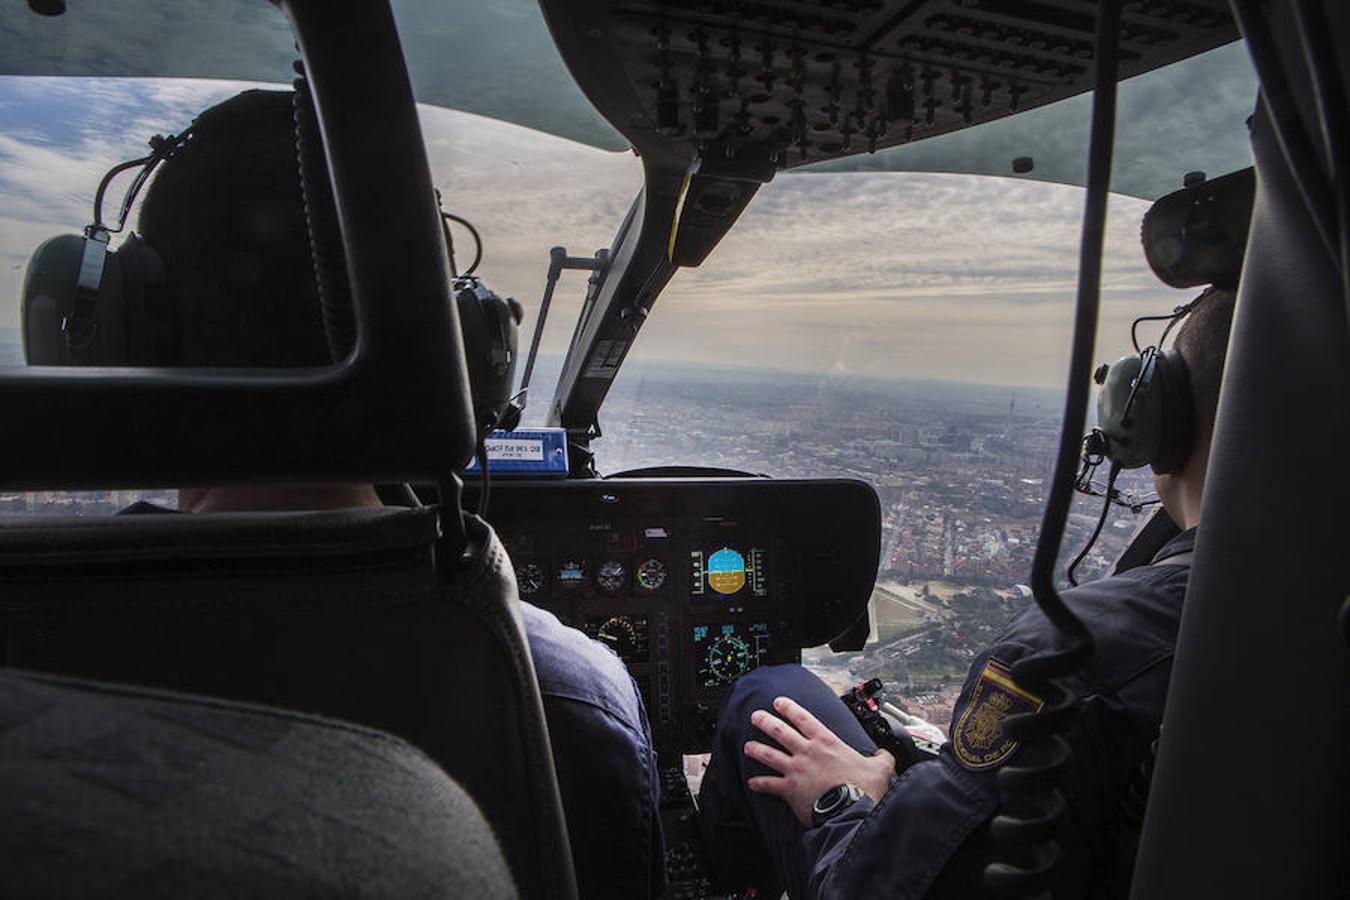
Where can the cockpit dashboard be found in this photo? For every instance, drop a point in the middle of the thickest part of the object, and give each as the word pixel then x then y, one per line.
pixel 694 582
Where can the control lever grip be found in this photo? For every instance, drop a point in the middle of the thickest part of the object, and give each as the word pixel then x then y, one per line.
pixel 862 700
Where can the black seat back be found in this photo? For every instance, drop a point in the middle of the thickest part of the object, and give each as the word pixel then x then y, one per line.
pixel 351 617
pixel 340 614
pixel 117 792
pixel 1261 630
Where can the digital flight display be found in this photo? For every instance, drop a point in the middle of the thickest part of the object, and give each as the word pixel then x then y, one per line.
pixel 571 572
pixel 727 651
pixel 725 572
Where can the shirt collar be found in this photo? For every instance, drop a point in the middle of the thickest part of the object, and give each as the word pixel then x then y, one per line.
pixel 1182 543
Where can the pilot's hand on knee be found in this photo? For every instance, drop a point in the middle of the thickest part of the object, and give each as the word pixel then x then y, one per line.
pixel 815 759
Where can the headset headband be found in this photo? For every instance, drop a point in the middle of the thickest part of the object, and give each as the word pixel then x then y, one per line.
pixel 82 324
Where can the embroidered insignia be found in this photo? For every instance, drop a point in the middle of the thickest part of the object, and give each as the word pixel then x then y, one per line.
pixel 977 739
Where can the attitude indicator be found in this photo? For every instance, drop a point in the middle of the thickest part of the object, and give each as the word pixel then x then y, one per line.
pixel 725 572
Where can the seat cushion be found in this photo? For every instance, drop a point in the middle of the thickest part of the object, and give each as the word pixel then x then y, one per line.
pixel 111 791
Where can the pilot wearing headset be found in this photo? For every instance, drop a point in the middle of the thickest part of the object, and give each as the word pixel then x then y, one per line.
pixel 221 275
pixel 797 797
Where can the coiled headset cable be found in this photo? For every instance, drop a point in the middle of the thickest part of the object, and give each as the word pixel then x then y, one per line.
pixel 1031 805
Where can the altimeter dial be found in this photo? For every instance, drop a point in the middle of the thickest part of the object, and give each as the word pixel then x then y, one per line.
pixel 529 578
pixel 612 576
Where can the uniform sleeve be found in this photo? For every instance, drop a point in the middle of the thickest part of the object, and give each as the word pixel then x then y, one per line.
pixel 605 763
pixel 898 846
pixel 904 841
pixel 928 834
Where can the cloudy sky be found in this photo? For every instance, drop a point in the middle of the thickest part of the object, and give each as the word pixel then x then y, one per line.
pixel 965 278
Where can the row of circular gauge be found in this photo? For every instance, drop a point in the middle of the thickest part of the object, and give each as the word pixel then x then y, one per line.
pixel 611 577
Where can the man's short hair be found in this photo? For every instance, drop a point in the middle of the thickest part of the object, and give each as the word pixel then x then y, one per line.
pixel 1202 341
pixel 227 217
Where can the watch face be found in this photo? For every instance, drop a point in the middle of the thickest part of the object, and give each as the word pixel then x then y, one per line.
pixel 828 800
pixel 833 801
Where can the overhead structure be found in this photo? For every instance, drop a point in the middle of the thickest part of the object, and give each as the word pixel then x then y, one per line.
pixel 718 97
pixel 800 82
pixel 498 59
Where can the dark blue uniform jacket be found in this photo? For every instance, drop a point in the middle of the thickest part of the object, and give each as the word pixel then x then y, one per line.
pixel 927 833
pixel 602 751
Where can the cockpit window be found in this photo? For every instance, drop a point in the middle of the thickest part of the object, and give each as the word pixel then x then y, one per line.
pixel 526 191
pixel 910 330
pixel 523 190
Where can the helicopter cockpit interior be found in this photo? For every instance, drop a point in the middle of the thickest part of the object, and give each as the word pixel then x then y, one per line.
pixel 325 677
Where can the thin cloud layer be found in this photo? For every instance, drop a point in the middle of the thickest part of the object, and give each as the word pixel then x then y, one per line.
pixel 963 278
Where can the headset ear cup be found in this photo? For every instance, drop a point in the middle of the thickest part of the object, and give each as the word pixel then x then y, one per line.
pixel 1127 411
pixel 48 297
pixel 477 347
pixel 1176 413
pixel 491 327
pixel 151 318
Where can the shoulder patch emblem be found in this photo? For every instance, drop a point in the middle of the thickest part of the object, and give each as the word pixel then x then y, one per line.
pixel 977 739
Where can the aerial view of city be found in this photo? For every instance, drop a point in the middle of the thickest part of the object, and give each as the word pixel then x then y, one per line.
pixel 960 471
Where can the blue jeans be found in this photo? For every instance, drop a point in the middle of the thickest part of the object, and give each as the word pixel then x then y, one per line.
pixel 754 839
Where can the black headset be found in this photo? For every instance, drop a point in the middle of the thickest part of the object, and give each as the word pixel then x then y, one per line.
pixel 84 304
pixel 491 328
pixel 1145 415
pixel 1194 236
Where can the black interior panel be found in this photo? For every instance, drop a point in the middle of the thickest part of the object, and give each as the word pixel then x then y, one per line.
pixel 694 582
pixel 745 84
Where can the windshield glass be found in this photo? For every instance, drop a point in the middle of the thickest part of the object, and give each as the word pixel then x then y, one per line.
pixel 524 191
pixel 910 330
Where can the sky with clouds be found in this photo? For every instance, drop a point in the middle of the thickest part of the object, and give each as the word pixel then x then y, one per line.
pixel 955 277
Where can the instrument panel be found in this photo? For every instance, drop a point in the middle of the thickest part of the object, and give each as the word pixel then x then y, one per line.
pixel 691 582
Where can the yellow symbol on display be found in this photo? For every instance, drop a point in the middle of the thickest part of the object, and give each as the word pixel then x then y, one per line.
pixel 726 571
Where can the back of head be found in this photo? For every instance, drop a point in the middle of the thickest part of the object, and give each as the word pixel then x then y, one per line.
pixel 1202 341
pixel 227 217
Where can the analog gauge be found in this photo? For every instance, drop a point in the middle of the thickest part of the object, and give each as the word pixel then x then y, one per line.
pixel 728 658
pixel 611 576
pixel 619 634
pixel 651 575
pixel 529 578
pixel 572 573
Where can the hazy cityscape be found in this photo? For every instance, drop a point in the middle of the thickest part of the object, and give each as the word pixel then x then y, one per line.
pixel 960 471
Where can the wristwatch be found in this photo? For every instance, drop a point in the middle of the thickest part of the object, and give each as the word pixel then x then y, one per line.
pixel 833 801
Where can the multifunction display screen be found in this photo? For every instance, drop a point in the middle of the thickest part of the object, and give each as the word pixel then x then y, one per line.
pixel 726 572
pixel 724 652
